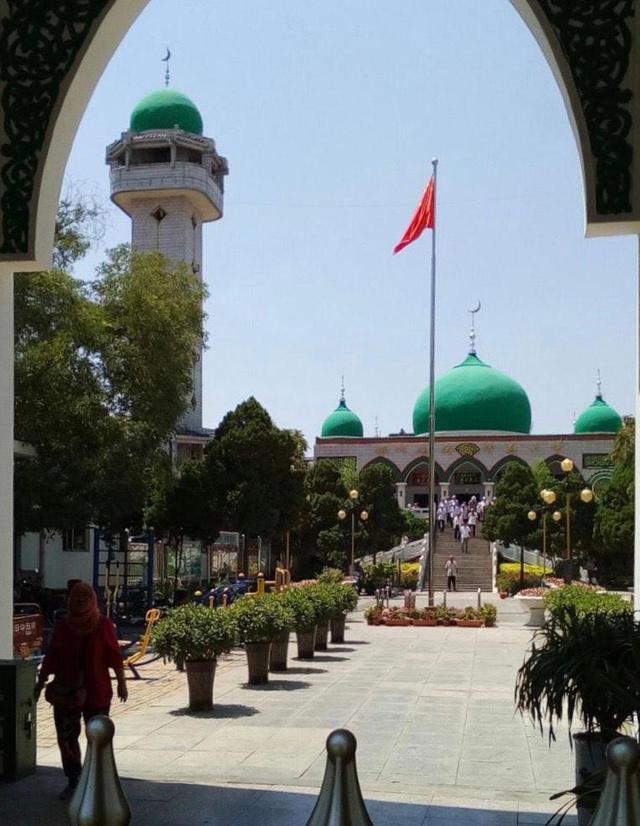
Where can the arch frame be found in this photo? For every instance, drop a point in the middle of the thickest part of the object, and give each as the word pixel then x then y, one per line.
pixel 407 470
pixel 382 460
pixel 502 463
pixel 476 464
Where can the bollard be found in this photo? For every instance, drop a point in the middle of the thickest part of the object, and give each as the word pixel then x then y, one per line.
pixel 619 803
pixel 340 800
pixel 479 599
pixel 99 799
pixel 444 599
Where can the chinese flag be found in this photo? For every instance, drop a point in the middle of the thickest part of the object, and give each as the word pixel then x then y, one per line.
pixel 424 218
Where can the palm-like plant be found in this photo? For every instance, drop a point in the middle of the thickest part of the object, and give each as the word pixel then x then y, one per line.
pixel 585 667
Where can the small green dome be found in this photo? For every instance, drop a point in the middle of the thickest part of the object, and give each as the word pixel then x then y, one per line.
pixel 475 396
pixel 166 109
pixel 599 417
pixel 342 422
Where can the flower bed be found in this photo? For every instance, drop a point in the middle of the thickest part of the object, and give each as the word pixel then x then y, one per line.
pixel 428 617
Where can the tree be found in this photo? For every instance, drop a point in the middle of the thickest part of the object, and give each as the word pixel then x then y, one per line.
pixel 385 525
pixel 615 512
pixel 515 495
pixel 103 371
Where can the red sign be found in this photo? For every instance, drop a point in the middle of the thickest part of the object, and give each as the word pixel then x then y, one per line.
pixel 27 630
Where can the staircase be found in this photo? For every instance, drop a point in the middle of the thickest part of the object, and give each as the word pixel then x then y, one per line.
pixel 474 568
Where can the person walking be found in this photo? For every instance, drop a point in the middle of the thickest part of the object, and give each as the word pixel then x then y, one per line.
pixel 451 570
pixel 83 648
pixel 441 516
pixel 473 521
pixel 465 533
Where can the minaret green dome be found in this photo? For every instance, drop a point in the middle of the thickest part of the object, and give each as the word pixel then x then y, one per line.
pixel 166 109
pixel 474 396
pixel 599 417
pixel 342 422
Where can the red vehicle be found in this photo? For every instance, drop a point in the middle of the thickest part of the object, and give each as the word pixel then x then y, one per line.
pixel 28 627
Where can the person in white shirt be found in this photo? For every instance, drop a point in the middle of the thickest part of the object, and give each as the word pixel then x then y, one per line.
pixel 465 533
pixel 451 570
pixel 473 521
pixel 441 516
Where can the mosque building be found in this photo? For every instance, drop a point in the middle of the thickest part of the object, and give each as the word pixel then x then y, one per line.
pixel 483 422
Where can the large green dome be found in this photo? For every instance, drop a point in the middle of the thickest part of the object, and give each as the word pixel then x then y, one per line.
pixel 475 396
pixel 342 422
pixel 166 109
pixel 599 417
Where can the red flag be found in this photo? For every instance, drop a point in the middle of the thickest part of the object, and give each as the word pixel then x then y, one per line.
pixel 424 218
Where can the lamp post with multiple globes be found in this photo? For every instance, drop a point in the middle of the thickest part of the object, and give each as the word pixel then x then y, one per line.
pixel 548 498
pixel 586 495
pixel 352 506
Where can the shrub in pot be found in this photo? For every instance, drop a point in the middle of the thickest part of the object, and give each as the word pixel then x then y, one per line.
pixel 585 667
pixel 197 635
pixel 331 576
pixel 297 599
pixel 261 620
pixel 489 614
pixel 585 599
pixel 323 598
pixel 345 599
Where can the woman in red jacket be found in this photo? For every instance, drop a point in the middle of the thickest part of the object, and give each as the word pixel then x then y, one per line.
pixel 82 649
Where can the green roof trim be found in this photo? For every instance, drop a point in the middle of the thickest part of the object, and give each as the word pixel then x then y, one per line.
pixel 166 109
pixel 474 396
pixel 342 422
pixel 599 417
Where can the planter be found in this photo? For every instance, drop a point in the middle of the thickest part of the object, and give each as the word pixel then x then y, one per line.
pixel 279 653
pixel 535 606
pixel 463 623
pixel 337 628
pixel 179 663
pixel 590 758
pixel 425 623
pixel 258 662
pixel 306 643
pixel 200 676
pixel 504 594
pixel 322 631
pixel 406 621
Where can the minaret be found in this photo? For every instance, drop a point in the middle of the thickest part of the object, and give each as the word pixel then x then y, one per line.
pixel 169 179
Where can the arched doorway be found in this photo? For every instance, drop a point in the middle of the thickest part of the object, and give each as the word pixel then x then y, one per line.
pixel 466 479
pixel 53 61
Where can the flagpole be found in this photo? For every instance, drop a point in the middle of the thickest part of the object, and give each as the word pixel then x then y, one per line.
pixel 432 393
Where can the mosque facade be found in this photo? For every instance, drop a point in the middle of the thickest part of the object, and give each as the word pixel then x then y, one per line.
pixel 483 422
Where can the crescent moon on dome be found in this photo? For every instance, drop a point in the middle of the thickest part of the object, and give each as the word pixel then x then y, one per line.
pixel 167 56
pixel 477 309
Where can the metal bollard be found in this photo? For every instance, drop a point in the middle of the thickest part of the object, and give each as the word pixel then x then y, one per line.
pixel 444 598
pixel 619 803
pixel 99 800
pixel 479 599
pixel 340 800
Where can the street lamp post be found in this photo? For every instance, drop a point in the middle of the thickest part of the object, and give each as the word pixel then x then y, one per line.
pixel 586 495
pixel 548 498
pixel 342 514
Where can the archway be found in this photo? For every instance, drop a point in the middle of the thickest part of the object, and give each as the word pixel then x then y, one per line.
pixel 54 59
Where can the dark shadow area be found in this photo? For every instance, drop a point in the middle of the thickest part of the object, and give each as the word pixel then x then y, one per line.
pixel 356 642
pixel 302 670
pixel 340 649
pixel 219 711
pixel 278 685
pixel 327 658
pixel 33 801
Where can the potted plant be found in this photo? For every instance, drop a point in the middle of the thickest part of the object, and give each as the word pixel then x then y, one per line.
pixel 489 614
pixel 198 635
pixel 426 617
pixel 395 616
pixel 373 615
pixel 260 620
pixel 322 597
pixel 585 667
pixel 471 618
pixel 345 600
pixel 445 616
pixel 297 599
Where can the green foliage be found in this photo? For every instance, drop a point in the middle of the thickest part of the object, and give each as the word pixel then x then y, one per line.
pixel 585 600
pixel 410 571
pixel 323 599
pixel 489 614
pixel 345 599
pixel 413 527
pixel 506 518
pixel 195 633
pixel 509 581
pixel 262 618
pixel 614 528
pixel 331 576
pixel 99 385
pixel 585 667
pixel 514 568
pixel 298 600
pixel 378 575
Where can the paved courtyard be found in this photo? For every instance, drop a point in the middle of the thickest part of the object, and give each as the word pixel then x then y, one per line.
pixel 432 709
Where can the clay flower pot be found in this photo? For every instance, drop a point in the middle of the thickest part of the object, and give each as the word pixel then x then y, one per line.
pixel 306 639
pixel 322 631
pixel 470 623
pixel 425 623
pixel 200 676
pixel 337 628
pixel 258 662
pixel 279 653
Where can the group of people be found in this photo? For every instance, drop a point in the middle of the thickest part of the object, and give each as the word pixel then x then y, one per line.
pixel 463 517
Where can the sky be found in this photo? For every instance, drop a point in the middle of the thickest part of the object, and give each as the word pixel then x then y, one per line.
pixel 329 114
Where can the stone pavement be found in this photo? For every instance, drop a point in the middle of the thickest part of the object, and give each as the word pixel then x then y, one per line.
pixel 432 709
